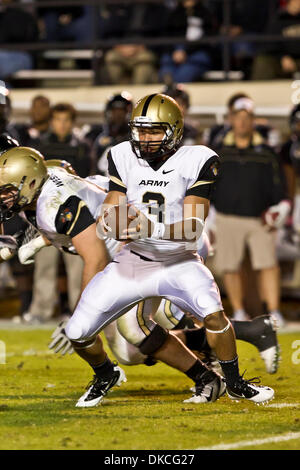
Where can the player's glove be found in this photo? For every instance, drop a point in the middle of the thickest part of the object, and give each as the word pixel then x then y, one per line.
pixel 60 342
pixel 8 247
pixel 27 252
pixel 277 215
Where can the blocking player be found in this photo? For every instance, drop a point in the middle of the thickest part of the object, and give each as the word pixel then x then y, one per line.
pixel 60 206
pixel 159 259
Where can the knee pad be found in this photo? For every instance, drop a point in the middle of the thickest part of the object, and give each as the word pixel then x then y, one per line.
pixel 74 332
pixel 154 341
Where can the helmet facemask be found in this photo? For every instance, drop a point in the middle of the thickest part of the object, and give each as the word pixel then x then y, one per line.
pixel 12 200
pixel 158 114
pixel 9 197
pixel 152 150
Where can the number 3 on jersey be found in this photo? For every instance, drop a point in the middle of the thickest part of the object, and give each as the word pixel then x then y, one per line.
pixel 157 210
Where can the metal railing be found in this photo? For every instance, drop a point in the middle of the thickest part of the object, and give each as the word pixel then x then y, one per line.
pixel 97 46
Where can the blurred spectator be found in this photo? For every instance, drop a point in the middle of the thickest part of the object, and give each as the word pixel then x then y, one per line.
pixel 115 128
pixel 190 132
pixel 59 143
pixel 214 136
pixel 46 282
pixel 90 132
pixel 39 114
pixel 132 62
pixel 288 243
pixel 6 127
pixel 280 59
pixel 187 63
pixel 246 17
pixel 134 21
pixel 16 26
pixel 23 275
pixel 65 23
pixel 62 143
pixel 250 204
pixel 290 158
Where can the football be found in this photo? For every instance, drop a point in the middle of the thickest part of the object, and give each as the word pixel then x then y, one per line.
pixel 118 218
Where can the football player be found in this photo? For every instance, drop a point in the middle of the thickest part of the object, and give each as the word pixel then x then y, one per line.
pixel 168 188
pixel 63 208
pixel 121 348
pixel 260 332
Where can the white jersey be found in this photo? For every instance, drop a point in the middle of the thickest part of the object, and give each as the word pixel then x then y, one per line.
pixel 160 193
pixel 62 199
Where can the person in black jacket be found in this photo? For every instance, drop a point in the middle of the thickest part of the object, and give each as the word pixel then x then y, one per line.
pixel 280 59
pixel 16 26
pixel 38 127
pixel 132 62
pixel 66 23
pixel 187 63
pixel 62 142
pixel 115 128
pixel 290 159
pixel 251 205
pixel 246 17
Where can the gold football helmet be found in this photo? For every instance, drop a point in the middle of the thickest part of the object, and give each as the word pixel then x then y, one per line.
pixel 22 175
pixel 156 112
pixel 55 162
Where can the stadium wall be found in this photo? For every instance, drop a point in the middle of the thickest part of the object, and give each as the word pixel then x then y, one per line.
pixel 274 100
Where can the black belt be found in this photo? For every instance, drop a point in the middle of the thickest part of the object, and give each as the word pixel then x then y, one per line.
pixel 142 257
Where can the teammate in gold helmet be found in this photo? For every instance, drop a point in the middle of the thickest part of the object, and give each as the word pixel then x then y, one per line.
pixel 22 175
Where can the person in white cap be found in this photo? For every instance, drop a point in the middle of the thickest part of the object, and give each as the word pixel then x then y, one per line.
pixel 251 205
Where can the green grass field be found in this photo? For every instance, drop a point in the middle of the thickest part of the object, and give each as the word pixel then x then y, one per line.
pixel 38 391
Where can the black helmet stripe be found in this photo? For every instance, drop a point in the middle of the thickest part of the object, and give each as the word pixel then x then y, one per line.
pixel 146 104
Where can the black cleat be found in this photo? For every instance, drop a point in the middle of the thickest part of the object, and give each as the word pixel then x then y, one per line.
pixel 98 388
pixel 249 390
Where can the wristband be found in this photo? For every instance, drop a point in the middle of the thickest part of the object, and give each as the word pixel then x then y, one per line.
pixel 158 231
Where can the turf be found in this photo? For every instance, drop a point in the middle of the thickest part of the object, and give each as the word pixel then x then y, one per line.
pixel 38 391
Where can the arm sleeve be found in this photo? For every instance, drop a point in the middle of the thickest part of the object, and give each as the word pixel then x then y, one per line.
pixel 115 181
pixel 204 184
pixel 73 217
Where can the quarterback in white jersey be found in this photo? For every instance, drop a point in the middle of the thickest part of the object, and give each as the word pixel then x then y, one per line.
pixel 169 189
pixel 160 192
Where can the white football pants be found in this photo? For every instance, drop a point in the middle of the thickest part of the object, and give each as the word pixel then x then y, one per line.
pixel 128 279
